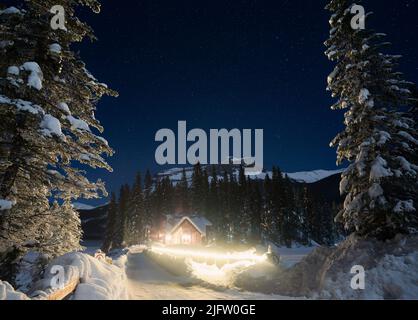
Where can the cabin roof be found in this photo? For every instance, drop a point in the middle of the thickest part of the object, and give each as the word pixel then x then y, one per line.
pixel 200 224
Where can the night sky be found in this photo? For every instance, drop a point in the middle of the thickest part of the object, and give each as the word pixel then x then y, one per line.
pixel 226 64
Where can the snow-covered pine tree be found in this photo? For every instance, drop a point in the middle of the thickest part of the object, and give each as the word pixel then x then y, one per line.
pixel 47 105
pixel 379 140
pixel 61 231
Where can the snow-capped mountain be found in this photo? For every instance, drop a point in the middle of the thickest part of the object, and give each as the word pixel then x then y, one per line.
pixel 313 176
pixel 82 206
pixel 175 174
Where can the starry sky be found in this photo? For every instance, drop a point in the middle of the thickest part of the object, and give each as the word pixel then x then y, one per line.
pixel 226 64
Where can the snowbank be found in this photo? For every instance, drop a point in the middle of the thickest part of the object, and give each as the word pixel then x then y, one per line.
pixel 98 279
pixel 391 271
pixel 8 293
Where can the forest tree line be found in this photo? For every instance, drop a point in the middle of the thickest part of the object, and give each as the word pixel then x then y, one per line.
pixel 241 209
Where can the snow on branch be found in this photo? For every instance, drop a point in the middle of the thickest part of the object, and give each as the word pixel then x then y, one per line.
pixel 404 206
pixel 51 126
pixel 6 204
pixel 11 10
pixel 22 105
pixel 35 77
pixel 379 169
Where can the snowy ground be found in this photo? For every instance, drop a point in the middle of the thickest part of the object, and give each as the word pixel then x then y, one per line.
pixel 134 275
pixel 391 274
pixel 148 281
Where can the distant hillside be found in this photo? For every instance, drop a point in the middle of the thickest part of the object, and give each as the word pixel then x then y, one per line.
pixel 93 222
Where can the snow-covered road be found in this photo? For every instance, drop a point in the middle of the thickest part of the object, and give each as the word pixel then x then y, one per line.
pixel 148 281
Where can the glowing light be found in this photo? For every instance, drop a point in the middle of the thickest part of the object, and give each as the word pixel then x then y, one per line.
pixel 221 276
pixel 249 255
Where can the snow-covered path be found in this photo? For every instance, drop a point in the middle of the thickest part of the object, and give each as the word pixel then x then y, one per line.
pixel 148 281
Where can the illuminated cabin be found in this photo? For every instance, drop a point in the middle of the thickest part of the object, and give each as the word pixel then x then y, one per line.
pixel 186 230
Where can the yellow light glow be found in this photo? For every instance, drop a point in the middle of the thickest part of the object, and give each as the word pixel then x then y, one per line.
pixel 249 255
pixel 221 276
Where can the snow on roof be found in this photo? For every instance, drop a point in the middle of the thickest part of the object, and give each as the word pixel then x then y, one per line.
pixel 199 222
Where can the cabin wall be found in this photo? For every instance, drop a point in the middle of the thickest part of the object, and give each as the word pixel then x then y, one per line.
pixel 186 234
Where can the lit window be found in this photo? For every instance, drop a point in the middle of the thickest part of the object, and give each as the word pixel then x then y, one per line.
pixel 186 238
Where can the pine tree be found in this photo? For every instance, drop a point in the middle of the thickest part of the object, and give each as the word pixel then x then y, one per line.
pixel 234 202
pixel 255 209
pixel 205 193
pixel 47 105
pixel 379 140
pixel 66 229
pixel 278 205
pixel 121 231
pixel 111 223
pixel 214 210
pixel 226 226
pixel 291 222
pixel 327 226
pixel 197 189
pixel 182 191
pixel 267 221
pixel 243 223
pixel 135 220
pixel 148 203
pixel 311 222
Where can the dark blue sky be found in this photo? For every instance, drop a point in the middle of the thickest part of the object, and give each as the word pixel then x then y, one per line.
pixel 232 64
pixel 226 64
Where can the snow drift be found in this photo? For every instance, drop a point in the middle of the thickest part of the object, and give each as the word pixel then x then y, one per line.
pixel 391 271
pixel 99 280
pixel 7 292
